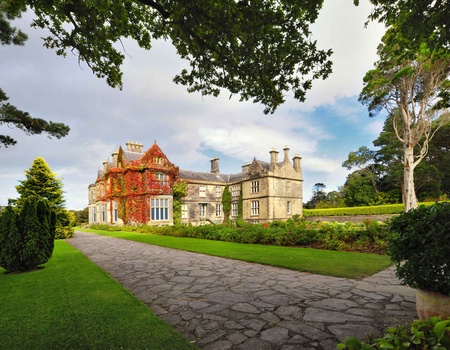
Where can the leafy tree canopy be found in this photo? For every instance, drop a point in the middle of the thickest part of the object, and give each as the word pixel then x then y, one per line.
pixel 12 117
pixel 419 21
pixel 257 49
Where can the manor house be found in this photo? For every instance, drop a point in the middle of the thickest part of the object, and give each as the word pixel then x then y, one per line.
pixel 137 187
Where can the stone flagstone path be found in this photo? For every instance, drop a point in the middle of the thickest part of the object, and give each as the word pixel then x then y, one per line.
pixel 225 304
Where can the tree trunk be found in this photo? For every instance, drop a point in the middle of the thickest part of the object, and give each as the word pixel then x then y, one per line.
pixel 409 193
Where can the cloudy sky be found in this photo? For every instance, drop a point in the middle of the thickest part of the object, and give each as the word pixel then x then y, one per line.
pixel 189 128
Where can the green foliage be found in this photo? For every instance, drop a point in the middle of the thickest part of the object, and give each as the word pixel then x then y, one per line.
pixel 12 117
pixel 65 224
pixel 240 46
pixel 10 239
pixel 179 190
pixel 27 237
pixel 81 217
pixel 368 237
pixel 226 203
pixel 385 209
pixel 42 183
pixel 433 333
pixel 359 190
pixel 418 21
pixel 419 247
pixel 412 80
pixel 70 305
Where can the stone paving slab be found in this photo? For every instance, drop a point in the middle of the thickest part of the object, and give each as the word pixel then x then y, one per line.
pixel 227 304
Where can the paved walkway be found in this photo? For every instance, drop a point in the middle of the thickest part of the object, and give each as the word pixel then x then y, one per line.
pixel 227 304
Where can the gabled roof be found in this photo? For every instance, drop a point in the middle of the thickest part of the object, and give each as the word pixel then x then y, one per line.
pixel 201 176
pixel 131 156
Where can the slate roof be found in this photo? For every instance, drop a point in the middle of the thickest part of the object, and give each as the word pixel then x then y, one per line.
pixel 129 156
pixel 210 177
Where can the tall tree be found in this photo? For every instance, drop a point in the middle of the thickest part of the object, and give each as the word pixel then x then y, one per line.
pixel 10 115
pixel 365 161
pixel 256 49
pixel 414 86
pixel 358 190
pixel 42 183
pixel 318 195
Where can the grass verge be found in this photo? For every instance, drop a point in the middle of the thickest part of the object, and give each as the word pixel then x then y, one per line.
pixel 323 262
pixel 72 304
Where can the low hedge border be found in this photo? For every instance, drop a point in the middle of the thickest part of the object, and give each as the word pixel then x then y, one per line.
pixel 371 210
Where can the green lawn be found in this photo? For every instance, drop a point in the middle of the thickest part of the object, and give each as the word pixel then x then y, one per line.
pixel 324 262
pixel 72 304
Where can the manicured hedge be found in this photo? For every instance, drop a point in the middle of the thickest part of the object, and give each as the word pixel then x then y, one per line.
pixel 372 210
pixel 367 237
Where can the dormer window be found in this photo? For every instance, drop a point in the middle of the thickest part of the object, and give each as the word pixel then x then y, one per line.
pixel 157 160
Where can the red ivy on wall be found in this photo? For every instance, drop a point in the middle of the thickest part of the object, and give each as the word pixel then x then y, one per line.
pixel 132 184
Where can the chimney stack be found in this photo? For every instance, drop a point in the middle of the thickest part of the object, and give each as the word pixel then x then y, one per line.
pixel 105 165
pixel 215 166
pixel 286 154
pixel 114 155
pixel 297 160
pixel 273 158
pixel 245 167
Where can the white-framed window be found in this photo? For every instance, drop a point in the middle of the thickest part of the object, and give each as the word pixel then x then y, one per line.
pixel 102 190
pixel 235 190
pixel 162 179
pixel 184 211
pixel 255 207
pixel 159 209
pixel 218 192
pixel 288 207
pixel 202 191
pixel 234 209
pixel 202 209
pixel 94 214
pixel 115 212
pixel 254 187
pixel 218 209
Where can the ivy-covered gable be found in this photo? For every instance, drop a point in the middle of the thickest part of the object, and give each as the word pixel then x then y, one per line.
pixel 134 182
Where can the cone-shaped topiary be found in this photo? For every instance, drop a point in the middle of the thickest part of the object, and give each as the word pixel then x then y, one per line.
pixel 27 239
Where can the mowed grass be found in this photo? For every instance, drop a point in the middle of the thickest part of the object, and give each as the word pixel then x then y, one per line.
pixel 323 262
pixel 72 304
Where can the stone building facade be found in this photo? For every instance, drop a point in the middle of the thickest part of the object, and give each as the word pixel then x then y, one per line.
pixel 261 192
